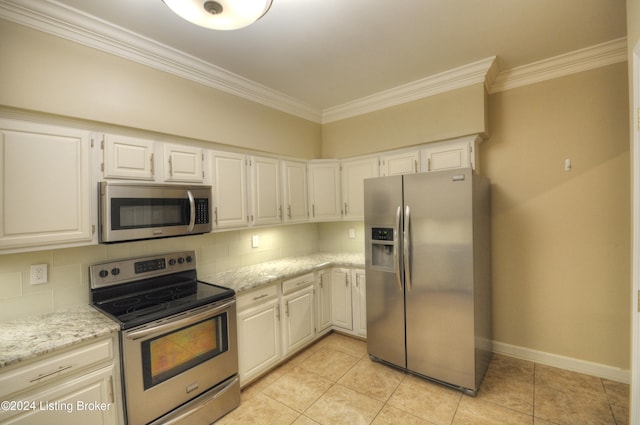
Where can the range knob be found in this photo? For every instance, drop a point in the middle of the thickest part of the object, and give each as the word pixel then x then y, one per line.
pixel 103 273
pixel 115 271
pixel 172 262
pixel 189 258
pixel 180 260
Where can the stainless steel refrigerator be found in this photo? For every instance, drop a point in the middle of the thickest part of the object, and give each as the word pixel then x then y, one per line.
pixel 428 274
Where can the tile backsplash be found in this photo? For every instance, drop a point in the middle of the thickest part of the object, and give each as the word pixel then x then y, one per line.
pixel 68 280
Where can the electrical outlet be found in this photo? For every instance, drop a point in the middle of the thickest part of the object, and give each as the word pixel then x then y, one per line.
pixel 38 274
pixel 255 241
pixel 352 233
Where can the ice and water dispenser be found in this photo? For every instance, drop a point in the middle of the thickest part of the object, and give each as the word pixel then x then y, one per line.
pixel 383 248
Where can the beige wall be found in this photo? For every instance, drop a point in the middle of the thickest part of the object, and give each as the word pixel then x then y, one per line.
pixel 444 116
pixel 48 74
pixel 561 259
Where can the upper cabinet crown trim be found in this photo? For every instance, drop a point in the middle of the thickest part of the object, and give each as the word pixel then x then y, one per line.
pixel 62 21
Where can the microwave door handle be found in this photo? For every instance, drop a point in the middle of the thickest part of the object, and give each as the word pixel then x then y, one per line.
pixel 192 212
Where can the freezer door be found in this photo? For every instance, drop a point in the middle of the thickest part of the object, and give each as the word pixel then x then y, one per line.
pixel 439 276
pixel 385 289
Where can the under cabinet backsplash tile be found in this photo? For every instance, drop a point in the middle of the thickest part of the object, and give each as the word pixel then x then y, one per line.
pixel 68 284
pixel 26 305
pixel 10 285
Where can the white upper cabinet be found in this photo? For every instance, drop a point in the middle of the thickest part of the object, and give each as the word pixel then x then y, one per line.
pixel 229 189
pixel 127 158
pixel 266 207
pixel 455 153
pixel 324 190
pixel 294 191
pixel 183 163
pixel 354 172
pixel 45 185
pixel 392 164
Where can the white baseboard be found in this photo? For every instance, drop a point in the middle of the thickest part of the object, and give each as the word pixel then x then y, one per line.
pixel 562 362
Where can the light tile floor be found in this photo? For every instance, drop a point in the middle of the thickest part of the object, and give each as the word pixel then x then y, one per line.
pixel 335 382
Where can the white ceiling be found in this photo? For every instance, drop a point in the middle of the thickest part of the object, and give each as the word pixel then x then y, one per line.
pixel 326 53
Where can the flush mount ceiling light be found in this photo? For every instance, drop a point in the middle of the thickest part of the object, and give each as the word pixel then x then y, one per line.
pixel 220 14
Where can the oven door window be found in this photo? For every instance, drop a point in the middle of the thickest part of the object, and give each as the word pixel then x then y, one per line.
pixel 136 213
pixel 170 354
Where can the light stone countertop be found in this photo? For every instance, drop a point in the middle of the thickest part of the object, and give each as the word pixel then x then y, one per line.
pixel 252 277
pixel 35 336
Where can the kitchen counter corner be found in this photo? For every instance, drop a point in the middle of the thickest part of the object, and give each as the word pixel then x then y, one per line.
pixel 252 277
pixel 34 336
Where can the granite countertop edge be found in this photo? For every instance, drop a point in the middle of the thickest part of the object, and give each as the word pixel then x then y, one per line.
pixel 252 277
pixel 35 336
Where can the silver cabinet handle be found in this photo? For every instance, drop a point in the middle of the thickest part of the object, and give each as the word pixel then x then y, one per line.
pixel 396 254
pixel 407 247
pixel 44 375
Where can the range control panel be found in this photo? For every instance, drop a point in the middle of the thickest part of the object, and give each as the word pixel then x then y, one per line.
pixel 128 270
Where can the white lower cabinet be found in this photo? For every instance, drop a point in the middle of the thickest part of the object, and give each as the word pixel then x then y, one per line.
pixel 341 309
pixel 76 387
pixel 359 302
pixel 276 321
pixel 258 332
pixel 323 301
pixel 298 325
pixel 348 301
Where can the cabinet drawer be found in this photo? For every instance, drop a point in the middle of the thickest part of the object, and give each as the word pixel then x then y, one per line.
pixel 54 367
pixel 259 295
pixel 296 283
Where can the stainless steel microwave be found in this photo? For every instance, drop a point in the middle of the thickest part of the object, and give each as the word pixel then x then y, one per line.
pixel 132 211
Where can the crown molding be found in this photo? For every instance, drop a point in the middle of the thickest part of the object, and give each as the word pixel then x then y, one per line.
pixel 609 53
pixel 463 76
pixel 56 19
pixel 59 20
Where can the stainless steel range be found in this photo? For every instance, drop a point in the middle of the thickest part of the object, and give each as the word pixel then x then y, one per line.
pixel 178 338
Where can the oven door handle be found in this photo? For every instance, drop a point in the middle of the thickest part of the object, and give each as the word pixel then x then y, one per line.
pixel 171 324
pixel 192 211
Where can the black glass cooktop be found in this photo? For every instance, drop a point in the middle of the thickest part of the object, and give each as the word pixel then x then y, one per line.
pixel 136 304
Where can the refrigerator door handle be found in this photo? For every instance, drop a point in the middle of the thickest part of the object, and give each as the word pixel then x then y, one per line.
pixel 396 254
pixel 407 247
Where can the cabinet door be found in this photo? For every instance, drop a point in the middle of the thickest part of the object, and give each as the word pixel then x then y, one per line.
pixel 324 190
pixel 323 299
pixel 258 339
pixel 359 291
pixel 230 193
pixel 127 158
pixel 69 401
pixel 294 184
pixel 353 174
pixel 45 185
pixel 299 323
pixel 265 190
pixel 400 163
pixel 183 163
pixel 447 155
pixel 341 311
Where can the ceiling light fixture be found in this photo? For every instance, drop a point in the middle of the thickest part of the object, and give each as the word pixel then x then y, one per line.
pixel 220 14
